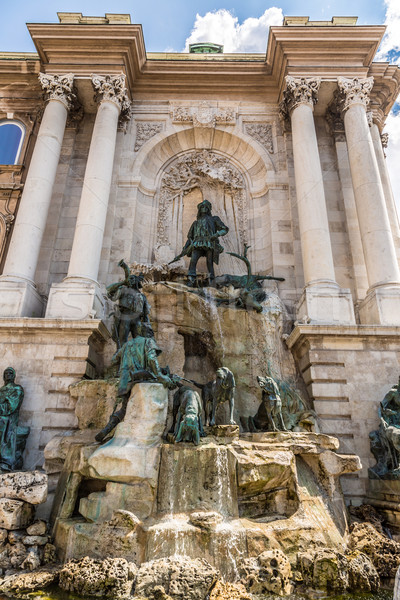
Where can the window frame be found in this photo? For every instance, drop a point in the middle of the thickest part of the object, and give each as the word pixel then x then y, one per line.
pixel 22 127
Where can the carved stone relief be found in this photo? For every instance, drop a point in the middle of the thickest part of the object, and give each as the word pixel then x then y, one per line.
pixel 204 170
pixel 146 130
pixel 203 115
pixel 10 191
pixel 262 132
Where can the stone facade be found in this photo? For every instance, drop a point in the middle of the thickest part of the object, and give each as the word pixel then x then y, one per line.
pixel 131 143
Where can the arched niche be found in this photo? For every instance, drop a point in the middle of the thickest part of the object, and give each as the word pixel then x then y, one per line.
pixel 232 172
pixel 187 180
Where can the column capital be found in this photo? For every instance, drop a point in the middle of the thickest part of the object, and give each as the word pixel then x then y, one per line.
pixel 111 88
pixel 299 90
pixel 355 91
pixel 59 87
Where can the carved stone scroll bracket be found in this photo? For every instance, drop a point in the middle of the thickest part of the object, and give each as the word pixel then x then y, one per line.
pixel 59 87
pixel 111 88
pixel 262 133
pixel 145 130
pixel 203 115
pixel 355 90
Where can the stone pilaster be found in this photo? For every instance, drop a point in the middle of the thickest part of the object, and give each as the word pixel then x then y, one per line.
pixel 381 303
pixel 18 295
pixel 322 299
pixel 79 296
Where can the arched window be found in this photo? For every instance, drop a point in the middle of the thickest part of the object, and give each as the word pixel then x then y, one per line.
pixel 11 138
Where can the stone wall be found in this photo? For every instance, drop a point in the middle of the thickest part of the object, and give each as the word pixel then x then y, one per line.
pixel 49 355
pixel 348 371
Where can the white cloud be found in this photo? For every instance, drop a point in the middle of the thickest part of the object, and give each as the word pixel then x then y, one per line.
pixel 391 40
pixel 390 51
pixel 222 27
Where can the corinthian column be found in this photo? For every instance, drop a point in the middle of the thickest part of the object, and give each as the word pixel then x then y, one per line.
pixel 382 301
pixel 78 296
pixel 380 142
pixel 322 300
pixel 18 295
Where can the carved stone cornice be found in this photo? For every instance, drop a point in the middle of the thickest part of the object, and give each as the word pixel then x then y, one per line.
pixel 59 87
pixel 299 90
pixel 203 115
pixel 385 139
pixel 111 88
pixel 355 90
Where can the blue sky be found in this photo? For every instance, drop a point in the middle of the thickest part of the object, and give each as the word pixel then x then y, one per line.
pixel 167 24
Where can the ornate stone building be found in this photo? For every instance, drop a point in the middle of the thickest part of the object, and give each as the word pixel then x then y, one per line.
pixel 114 149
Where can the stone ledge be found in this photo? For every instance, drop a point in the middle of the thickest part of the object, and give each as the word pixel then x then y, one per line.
pixel 386 331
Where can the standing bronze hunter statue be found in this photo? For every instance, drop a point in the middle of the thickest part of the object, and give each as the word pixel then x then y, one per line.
pixel 202 240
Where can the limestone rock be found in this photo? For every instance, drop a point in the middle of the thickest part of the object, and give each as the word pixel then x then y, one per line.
pixel 205 520
pixel 99 507
pixel 325 570
pixel 16 536
pixel 140 435
pixel 384 553
pixel 3 536
pixel 95 401
pixel 37 528
pixel 49 554
pixel 5 562
pixel 20 584
pixel 124 518
pixel 32 560
pixel 362 574
pixel 182 578
pixel 109 578
pixel 367 513
pixel 17 554
pixel 35 540
pixel 28 486
pixel 229 591
pixel 15 514
pixel 269 572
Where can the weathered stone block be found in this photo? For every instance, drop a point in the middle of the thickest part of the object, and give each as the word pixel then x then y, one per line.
pixel 134 451
pixel 28 486
pixel 94 402
pixel 15 514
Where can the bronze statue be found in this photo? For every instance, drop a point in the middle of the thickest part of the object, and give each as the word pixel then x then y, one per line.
pixel 137 360
pixel 281 409
pixel 189 423
pixel 218 391
pixel 12 437
pixel 131 305
pixel 271 405
pixel 251 291
pixel 385 441
pixel 202 240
